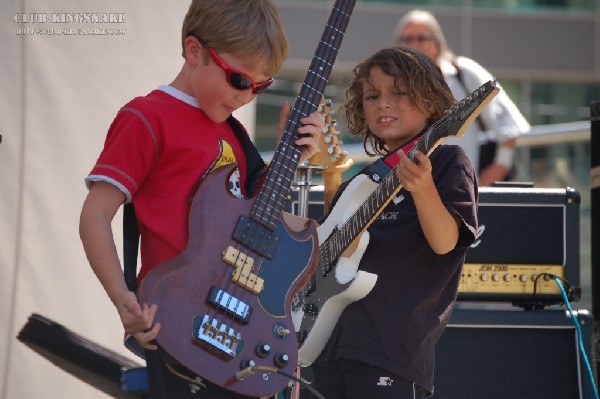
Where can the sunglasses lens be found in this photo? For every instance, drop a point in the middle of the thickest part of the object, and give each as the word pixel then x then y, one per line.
pixel 262 87
pixel 239 81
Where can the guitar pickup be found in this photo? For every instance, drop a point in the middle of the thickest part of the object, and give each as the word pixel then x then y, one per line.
pixel 237 259
pixel 242 275
pixel 233 306
pixel 256 237
pixel 250 281
pixel 217 337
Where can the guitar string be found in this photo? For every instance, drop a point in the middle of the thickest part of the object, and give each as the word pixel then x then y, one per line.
pixel 222 321
pixel 349 230
pixel 315 82
pixel 290 162
pixel 341 238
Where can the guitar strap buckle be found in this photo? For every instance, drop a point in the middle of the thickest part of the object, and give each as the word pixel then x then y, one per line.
pixel 378 170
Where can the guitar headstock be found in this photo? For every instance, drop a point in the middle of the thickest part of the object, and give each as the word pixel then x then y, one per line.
pixel 456 120
pixel 330 147
pixel 330 155
pixel 463 113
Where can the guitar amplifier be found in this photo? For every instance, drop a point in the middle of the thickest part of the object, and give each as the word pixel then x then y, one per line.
pixel 526 236
pixel 533 354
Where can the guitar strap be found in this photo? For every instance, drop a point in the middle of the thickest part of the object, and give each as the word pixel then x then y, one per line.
pixel 255 168
pixel 461 80
pixel 380 168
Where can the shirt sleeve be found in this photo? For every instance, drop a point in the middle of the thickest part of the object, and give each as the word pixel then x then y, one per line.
pixel 130 150
pixel 456 183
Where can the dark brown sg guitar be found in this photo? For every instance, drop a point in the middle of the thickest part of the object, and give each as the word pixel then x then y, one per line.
pixel 224 303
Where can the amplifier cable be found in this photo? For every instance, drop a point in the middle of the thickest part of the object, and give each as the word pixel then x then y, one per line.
pixel 579 334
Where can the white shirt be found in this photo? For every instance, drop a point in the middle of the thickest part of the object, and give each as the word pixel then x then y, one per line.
pixel 501 117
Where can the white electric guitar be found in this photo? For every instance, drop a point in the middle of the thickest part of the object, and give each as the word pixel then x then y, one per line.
pixel 343 238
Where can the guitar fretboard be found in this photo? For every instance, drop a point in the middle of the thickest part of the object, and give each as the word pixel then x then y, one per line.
pixel 271 198
pixel 453 123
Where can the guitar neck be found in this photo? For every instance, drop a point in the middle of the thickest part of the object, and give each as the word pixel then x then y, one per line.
pixel 454 123
pixel 271 198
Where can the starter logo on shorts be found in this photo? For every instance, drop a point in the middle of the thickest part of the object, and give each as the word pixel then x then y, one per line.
pixel 385 382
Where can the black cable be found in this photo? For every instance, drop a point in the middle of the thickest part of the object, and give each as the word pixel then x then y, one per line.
pixel 240 375
pixel 303 383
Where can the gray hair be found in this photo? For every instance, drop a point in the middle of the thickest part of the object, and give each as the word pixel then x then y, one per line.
pixel 427 19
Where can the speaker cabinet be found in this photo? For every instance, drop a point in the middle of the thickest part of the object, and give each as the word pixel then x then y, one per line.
pixel 497 354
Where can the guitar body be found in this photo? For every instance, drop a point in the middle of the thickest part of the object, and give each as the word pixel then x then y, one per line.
pixel 215 325
pixel 346 284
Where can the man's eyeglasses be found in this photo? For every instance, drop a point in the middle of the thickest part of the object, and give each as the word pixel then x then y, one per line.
pixel 236 79
pixel 417 38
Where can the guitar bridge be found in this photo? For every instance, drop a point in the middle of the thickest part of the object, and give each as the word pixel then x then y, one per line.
pixel 217 337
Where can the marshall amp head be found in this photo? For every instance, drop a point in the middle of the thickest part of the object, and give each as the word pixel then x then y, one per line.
pixel 526 236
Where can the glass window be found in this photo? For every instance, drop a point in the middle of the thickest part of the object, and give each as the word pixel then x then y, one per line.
pixel 553 102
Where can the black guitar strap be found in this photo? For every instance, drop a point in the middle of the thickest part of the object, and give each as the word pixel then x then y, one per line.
pixel 131 235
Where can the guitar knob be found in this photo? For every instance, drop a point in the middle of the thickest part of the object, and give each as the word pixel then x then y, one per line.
pixel 263 350
pixel 281 331
pixel 247 363
pixel 311 286
pixel 281 360
pixel 301 336
pixel 311 309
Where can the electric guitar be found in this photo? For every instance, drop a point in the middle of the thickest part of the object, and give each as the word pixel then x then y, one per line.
pixel 224 302
pixel 343 235
pixel 334 161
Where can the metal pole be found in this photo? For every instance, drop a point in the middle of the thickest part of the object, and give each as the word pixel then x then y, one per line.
pixel 595 206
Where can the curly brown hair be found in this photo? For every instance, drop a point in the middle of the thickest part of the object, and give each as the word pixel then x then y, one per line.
pixel 414 73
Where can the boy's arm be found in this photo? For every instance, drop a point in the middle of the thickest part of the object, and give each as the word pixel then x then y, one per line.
pixel 501 165
pixel 438 224
pixel 100 206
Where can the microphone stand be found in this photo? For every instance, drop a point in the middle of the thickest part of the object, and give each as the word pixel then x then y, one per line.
pixel 303 183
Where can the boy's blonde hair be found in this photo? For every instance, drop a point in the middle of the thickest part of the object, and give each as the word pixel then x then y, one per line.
pixel 250 29
pixel 413 73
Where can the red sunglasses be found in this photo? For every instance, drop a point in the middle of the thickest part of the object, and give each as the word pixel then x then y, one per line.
pixel 235 78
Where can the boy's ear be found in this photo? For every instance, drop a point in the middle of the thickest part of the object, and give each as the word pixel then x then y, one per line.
pixel 193 50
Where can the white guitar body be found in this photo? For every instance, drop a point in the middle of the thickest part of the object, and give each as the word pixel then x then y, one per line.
pixel 346 284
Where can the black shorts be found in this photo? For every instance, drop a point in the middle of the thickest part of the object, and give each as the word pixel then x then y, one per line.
pixel 351 379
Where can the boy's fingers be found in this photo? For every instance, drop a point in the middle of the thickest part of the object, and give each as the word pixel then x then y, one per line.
pixel 134 308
